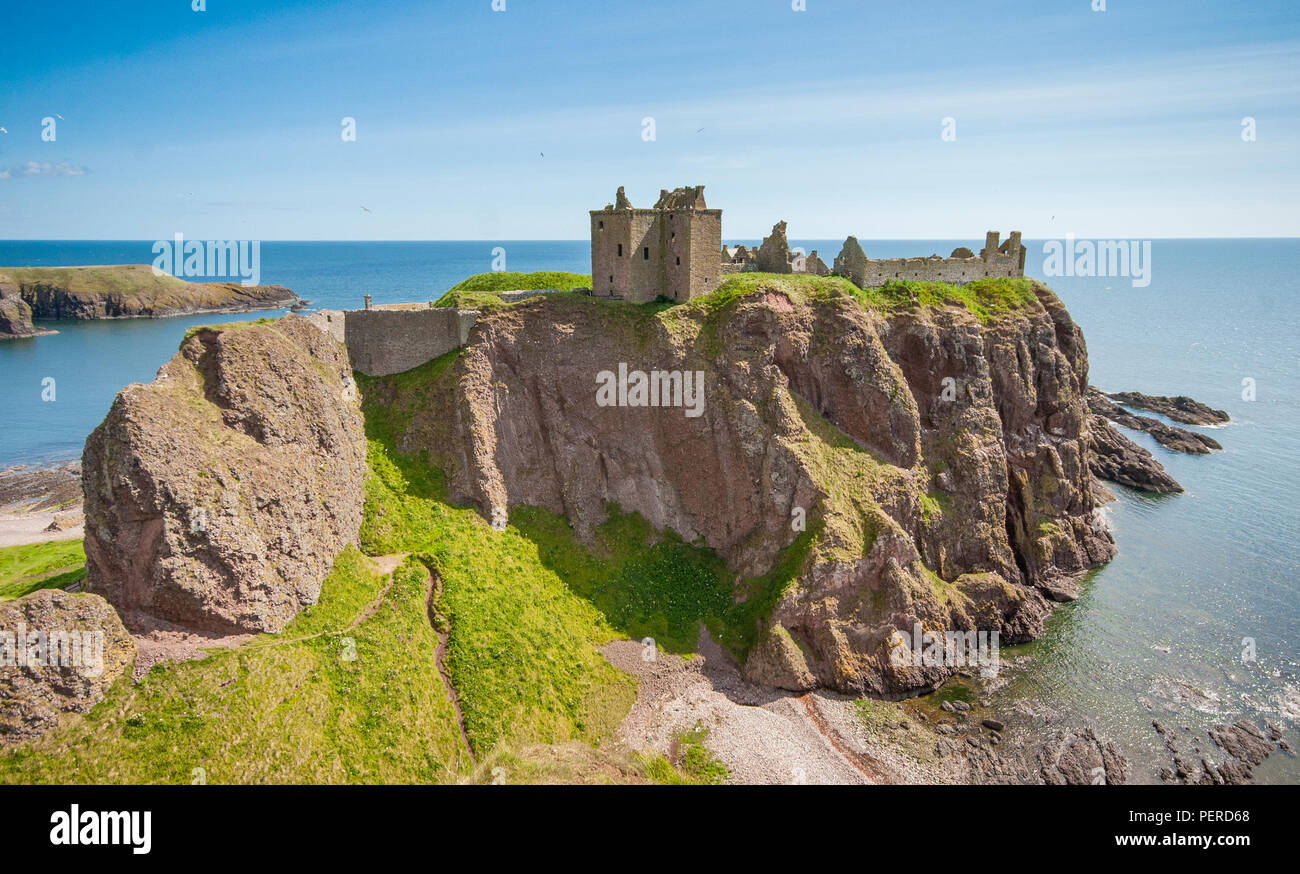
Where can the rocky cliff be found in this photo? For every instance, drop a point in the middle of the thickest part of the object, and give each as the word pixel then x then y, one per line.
pixel 15 313
pixel 130 291
pixel 936 454
pixel 218 495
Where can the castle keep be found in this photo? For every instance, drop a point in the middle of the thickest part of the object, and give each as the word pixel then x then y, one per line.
pixel 671 250
pixel 674 250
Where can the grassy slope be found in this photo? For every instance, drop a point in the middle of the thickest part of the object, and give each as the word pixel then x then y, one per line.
pixel 35 566
pixel 284 708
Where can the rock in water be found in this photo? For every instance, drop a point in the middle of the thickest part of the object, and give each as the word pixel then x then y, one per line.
pixel 58 672
pixel 1114 457
pixel 1080 758
pixel 1180 409
pixel 218 495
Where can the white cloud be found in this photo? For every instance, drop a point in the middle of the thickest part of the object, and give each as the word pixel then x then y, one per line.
pixel 44 168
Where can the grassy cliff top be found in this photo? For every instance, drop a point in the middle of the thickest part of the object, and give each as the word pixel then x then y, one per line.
pixel 481 291
pixel 986 299
pixel 125 279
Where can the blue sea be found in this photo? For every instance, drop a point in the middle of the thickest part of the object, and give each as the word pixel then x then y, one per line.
pixel 1160 632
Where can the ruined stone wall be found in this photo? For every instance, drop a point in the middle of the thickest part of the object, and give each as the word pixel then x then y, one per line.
pixel 953 270
pixel 386 340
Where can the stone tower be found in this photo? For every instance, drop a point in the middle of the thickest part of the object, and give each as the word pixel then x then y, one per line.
pixel 673 249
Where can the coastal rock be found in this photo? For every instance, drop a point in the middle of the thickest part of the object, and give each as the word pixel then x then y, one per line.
pixel 218 495
pixel 1080 758
pixel 1180 409
pixel 1177 439
pixel 921 508
pixel 16 314
pixel 1116 458
pixel 56 672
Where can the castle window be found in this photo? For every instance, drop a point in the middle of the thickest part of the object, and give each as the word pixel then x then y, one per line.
pixel 679 260
pixel 620 250
pixel 600 226
pixel 645 253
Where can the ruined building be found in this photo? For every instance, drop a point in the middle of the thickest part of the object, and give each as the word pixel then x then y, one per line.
pixel 675 250
pixel 671 250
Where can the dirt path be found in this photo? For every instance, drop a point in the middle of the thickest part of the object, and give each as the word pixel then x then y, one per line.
pixel 440 657
pixel 761 735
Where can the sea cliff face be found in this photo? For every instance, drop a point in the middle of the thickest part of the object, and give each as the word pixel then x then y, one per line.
pixel 923 464
pixel 15 314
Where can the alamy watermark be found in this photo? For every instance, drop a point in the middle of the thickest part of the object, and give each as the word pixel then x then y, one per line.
pixel 658 388
pixel 23 647
pixel 946 648
pixel 1073 257
pixel 213 259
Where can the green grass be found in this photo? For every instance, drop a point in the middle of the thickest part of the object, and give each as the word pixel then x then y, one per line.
pixel 480 291
pixel 524 651
pixel 283 708
pixel 52 565
pixel 987 299
pixel 689 763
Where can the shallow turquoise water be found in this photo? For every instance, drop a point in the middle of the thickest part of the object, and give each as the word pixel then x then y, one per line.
pixel 1196 573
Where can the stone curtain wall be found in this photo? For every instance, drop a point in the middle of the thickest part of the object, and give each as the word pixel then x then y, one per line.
pixel 954 270
pixel 382 341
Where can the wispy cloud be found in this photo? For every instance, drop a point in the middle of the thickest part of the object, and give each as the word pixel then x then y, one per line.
pixel 43 168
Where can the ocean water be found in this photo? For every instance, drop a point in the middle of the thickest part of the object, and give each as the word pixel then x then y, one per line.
pixel 1159 633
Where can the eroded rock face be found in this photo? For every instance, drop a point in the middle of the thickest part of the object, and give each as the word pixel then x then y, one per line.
pixel 942 464
pixel 218 495
pixel 59 653
pixel 15 314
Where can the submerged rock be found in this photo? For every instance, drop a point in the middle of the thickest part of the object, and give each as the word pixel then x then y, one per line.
pixel 218 495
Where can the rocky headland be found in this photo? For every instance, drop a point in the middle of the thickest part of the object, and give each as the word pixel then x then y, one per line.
pixel 860 465
pixel 119 292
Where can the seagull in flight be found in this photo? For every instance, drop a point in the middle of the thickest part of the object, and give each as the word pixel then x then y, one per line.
pixel 365 209
pixel 3 131
pixel 59 117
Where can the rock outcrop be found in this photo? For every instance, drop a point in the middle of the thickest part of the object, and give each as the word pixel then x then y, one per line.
pixel 942 463
pixel 1177 439
pixel 1115 458
pixel 59 653
pixel 1180 409
pixel 16 314
pixel 218 495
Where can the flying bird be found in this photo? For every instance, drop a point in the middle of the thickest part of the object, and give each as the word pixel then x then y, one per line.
pixel 59 117
pixel 700 131
pixel 3 131
pixel 365 209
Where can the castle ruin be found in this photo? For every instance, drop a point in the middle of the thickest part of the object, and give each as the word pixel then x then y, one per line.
pixel 671 250
pixel 675 251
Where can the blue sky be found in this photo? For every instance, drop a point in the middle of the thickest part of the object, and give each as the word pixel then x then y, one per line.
pixel 475 124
